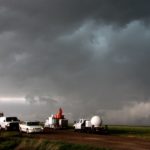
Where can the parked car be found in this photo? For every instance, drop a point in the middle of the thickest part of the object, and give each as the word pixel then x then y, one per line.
pixel 30 127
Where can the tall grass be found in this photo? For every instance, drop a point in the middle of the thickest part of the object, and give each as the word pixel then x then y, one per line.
pixel 9 140
pixel 15 141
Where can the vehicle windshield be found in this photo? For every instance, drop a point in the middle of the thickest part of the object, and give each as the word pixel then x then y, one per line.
pixel 81 120
pixel 11 119
pixel 32 123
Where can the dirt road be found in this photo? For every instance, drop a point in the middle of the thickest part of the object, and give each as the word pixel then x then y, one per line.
pixel 108 141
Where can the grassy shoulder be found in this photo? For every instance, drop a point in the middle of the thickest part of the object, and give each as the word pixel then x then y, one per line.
pixel 130 131
pixel 15 141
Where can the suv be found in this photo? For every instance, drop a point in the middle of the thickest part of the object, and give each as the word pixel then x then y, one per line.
pixel 30 127
pixel 9 123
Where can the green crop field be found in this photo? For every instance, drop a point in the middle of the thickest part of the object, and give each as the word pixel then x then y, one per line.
pixel 130 131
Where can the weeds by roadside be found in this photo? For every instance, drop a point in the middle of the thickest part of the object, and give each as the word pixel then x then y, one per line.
pixel 15 141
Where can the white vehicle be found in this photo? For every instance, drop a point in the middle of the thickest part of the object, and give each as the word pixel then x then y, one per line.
pixel 30 127
pixel 94 125
pixel 56 121
pixel 9 123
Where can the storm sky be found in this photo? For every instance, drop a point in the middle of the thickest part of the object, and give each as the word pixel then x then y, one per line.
pixel 86 56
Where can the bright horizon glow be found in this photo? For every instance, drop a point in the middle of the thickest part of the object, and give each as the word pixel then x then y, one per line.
pixel 12 99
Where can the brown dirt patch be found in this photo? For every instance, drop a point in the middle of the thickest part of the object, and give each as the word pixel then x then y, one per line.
pixel 108 141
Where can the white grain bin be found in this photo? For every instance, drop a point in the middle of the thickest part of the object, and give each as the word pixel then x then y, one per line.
pixel 96 121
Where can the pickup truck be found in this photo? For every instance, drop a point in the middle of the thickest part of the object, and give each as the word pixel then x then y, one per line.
pixel 30 127
pixel 9 123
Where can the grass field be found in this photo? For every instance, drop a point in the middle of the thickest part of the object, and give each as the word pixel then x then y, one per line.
pixel 130 131
pixel 15 141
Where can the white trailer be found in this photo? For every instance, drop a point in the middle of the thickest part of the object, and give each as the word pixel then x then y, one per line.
pixel 55 123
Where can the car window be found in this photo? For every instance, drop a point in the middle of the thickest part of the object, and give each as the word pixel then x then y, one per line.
pixel 32 123
pixel 11 119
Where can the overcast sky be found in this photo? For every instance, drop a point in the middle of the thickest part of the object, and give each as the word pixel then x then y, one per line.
pixel 86 56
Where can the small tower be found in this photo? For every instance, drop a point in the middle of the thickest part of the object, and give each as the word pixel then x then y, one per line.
pixel 1 114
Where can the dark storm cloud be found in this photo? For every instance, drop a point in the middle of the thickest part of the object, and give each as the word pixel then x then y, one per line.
pixel 93 54
pixel 40 16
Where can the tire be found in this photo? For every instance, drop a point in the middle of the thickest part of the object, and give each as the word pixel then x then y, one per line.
pixel 20 129
pixel 27 131
pixel 6 129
